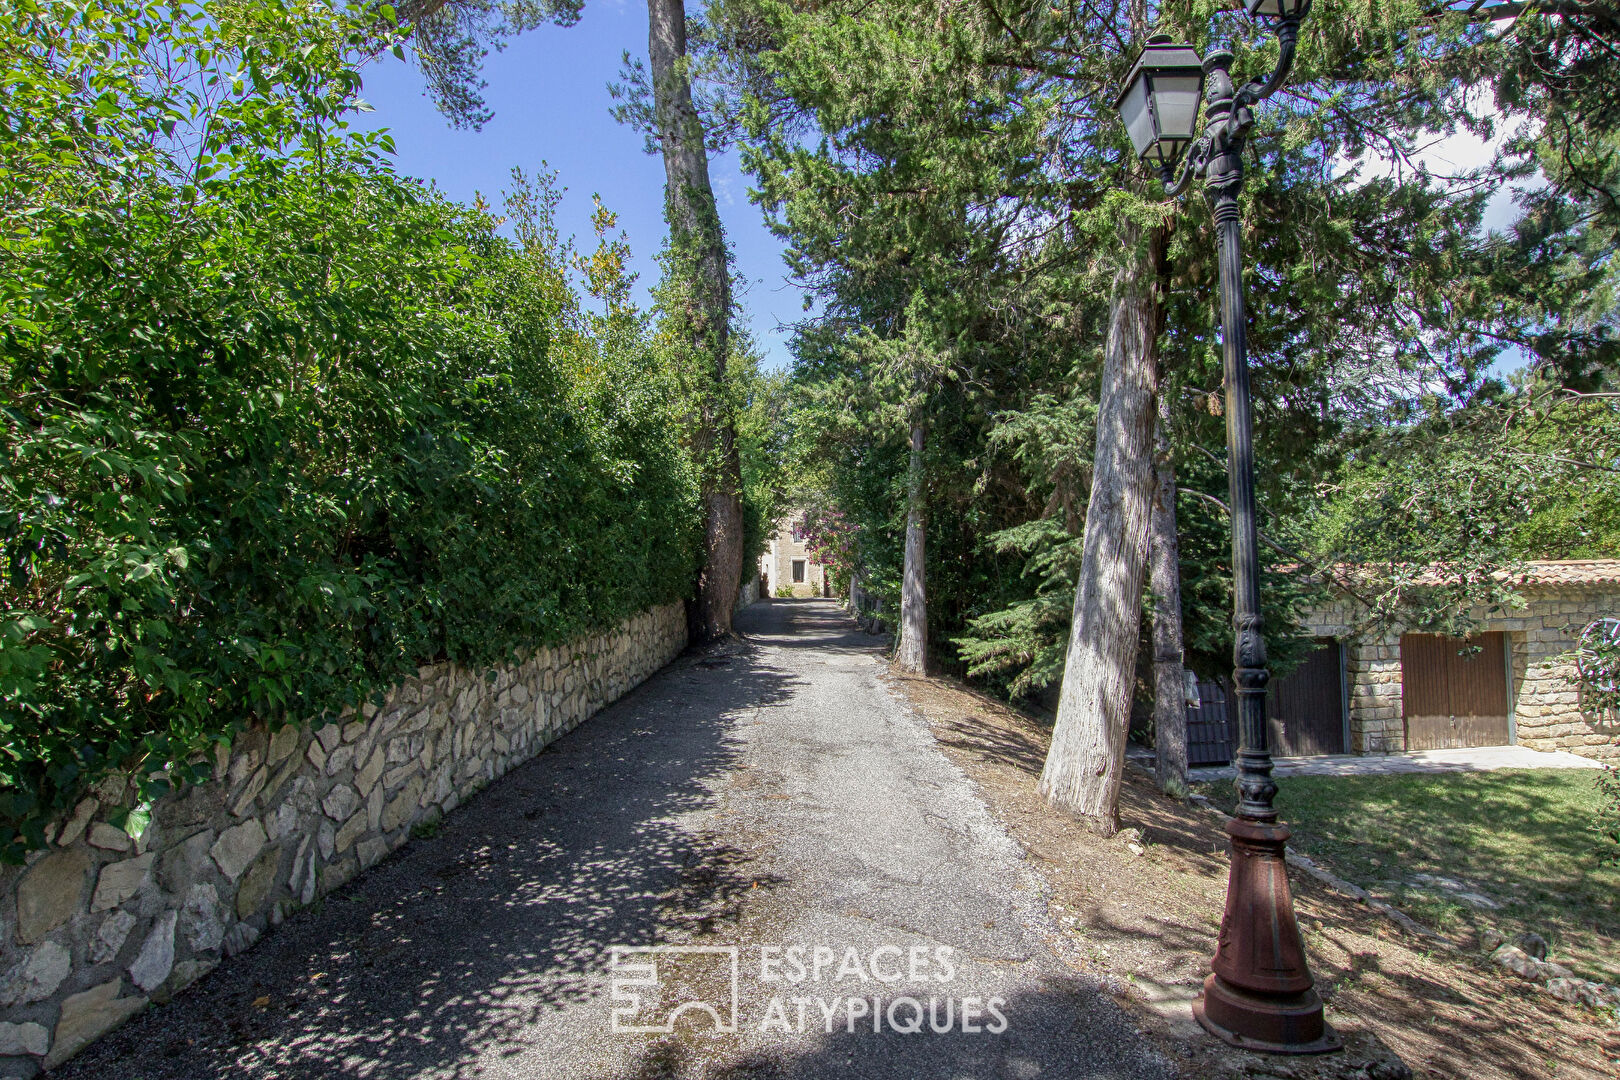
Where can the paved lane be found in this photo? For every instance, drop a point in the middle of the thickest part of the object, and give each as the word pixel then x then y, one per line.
pixel 774 805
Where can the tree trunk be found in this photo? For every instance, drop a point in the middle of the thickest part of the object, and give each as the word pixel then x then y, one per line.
pixel 1087 756
pixel 1164 578
pixel 698 251
pixel 912 654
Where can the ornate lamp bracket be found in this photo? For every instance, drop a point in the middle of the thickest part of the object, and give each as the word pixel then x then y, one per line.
pixel 1287 43
pixel 1217 155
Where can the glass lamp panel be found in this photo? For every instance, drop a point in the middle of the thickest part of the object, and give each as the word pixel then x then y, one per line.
pixel 1175 104
pixel 1138 117
pixel 1166 151
pixel 1273 9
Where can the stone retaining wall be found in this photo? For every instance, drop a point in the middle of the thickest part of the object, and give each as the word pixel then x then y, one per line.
pixel 98 925
pixel 867 609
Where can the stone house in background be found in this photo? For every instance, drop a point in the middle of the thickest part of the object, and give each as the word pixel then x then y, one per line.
pixel 1370 692
pixel 788 564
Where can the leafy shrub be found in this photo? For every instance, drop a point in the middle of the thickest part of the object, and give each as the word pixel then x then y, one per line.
pixel 279 425
pixel 1607 823
pixel 761 399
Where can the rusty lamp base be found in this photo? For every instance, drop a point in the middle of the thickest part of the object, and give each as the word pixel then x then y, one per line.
pixel 1261 996
pixel 1273 1025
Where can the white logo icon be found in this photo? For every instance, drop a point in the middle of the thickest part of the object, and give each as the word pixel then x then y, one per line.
pixel 658 983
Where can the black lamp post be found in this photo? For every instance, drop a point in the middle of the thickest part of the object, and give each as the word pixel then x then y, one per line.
pixel 1261 995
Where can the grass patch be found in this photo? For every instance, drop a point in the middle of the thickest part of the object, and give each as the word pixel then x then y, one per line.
pixel 1521 837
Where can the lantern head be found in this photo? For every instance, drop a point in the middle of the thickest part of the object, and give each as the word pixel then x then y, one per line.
pixel 1277 10
pixel 1160 102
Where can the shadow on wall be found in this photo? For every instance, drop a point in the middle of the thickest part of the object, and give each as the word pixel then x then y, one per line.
pixel 1600 716
pixel 464 940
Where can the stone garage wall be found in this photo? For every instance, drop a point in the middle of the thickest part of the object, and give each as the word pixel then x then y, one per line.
pixel 98 925
pixel 1547 706
pixel 1549 710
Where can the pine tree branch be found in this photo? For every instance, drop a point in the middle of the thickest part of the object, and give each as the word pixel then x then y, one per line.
pixel 1330 572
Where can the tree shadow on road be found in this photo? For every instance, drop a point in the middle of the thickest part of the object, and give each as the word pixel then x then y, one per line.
pixel 813 623
pixel 462 942
pixel 1063 1030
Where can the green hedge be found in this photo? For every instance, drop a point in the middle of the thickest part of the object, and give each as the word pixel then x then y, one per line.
pixel 278 424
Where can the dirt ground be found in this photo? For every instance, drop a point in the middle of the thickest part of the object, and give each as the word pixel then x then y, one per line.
pixel 1146 923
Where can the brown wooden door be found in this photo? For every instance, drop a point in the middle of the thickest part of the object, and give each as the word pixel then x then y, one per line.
pixel 1305 708
pixel 1451 698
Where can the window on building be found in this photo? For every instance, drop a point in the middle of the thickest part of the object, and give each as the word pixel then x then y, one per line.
pixel 798 571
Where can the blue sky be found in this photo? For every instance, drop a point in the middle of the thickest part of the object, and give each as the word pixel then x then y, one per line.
pixel 548 90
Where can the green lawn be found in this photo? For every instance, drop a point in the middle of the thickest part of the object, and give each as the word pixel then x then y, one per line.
pixel 1519 837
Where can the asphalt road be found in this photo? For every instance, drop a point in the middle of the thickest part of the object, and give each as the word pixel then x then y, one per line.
pixel 773 804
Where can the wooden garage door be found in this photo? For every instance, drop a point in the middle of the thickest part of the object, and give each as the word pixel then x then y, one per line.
pixel 1451 698
pixel 1306 707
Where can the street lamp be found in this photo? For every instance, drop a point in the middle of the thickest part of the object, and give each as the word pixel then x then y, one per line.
pixel 1260 995
pixel 1160 102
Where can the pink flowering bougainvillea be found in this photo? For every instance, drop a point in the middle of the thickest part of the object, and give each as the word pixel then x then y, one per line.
pixel 830 538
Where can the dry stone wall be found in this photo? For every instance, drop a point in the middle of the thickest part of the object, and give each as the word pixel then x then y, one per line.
pixel 97 925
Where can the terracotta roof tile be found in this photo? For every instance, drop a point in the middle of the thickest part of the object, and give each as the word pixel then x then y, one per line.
pixel 1543 572
pixel 1573 572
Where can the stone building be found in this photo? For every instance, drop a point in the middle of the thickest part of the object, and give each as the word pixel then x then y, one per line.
pixel 1514 683
pixel 788 567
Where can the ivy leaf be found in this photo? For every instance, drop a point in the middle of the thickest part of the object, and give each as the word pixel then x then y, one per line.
pixel 133 820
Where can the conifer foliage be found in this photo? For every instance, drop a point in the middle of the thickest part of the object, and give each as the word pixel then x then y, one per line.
pixel 968 154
